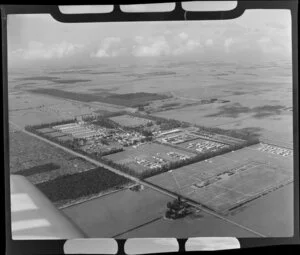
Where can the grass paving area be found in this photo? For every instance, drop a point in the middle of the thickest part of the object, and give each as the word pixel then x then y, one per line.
pixel 255 173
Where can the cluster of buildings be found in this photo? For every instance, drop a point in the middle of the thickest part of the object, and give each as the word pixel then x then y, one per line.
pixel 178 156
pixel 275 150
pixel 156 161
pixel 127 138
pixel 94 145
pixel 159 134
pixel 149 164
pixel 93 135
pixel 205 135
pixel 216 178
pixel 79 130
pixel 203 146
pixel 179 138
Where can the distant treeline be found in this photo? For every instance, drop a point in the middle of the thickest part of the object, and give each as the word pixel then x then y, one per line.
pixel 53 79
pixel 129 100
pixel 164 123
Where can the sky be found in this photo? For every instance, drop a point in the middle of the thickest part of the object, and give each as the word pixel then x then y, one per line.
pixel 257 35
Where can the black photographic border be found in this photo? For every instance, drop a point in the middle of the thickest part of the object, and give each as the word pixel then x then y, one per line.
pixel 56 246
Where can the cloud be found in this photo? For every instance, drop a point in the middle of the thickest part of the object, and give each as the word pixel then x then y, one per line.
pixel 227 43
pixel 109 47
pixel 186 47
pixel 37 50
pixel 100 54
pixel 159 46
pixel 272 45
pixel 183 36
pixel 139 39
pixel 209 42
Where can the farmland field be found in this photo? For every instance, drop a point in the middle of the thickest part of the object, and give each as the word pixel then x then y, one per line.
pixel 32 109
pixel 263 215
pixel 257 171
pixel 112 215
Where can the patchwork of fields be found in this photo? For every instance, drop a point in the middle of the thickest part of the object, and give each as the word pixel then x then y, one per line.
pixel 247 99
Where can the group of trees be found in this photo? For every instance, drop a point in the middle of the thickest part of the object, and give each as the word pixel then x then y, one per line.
pixel 49 125
pixel 79 185
pixel 243 135
pixel 105 122
pixel 177 209
pixel 165 124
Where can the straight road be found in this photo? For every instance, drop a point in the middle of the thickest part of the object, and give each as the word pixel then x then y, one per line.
pixel 145 183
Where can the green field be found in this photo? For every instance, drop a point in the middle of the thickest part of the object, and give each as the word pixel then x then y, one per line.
pixel 257 172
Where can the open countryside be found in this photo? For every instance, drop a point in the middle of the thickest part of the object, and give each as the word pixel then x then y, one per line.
pixel 159 146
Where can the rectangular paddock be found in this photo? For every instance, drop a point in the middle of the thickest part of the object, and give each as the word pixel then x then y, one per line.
pixel 251 174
